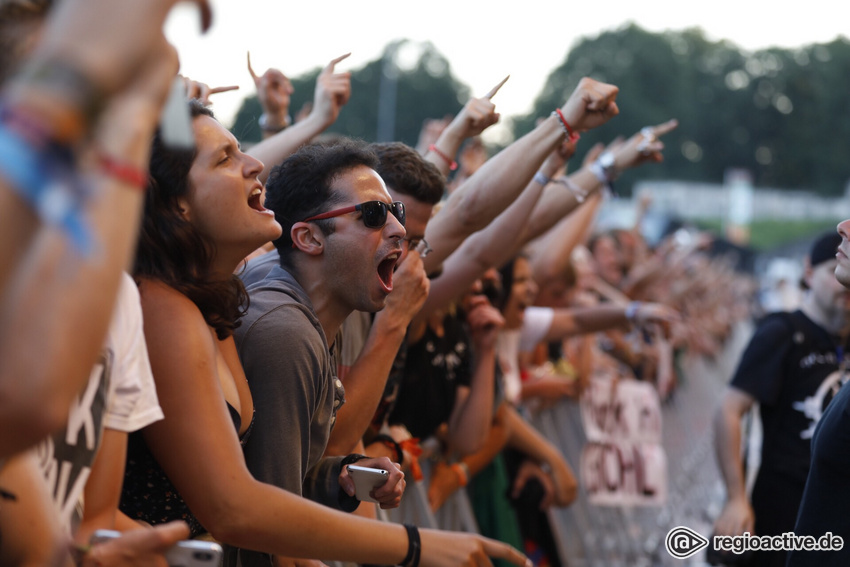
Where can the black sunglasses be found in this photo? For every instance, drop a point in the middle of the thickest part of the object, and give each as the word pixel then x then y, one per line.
pixel 374 213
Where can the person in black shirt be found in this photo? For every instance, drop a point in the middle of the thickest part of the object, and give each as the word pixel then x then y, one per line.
pixel 826 498
pixel 790 368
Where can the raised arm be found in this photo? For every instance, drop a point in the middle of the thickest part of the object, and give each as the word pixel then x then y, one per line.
pixel 564 195
pixel 477 115
pixel 582 320
pixel 78 65
pixel 274 90
pixel 552 253
pixel 58 302
pixel 501 179
pixel 332 93
pixel 483 250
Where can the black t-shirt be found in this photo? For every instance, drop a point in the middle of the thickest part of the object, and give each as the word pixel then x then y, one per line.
pixel 790 367
pixel 434 368
pixel 826 500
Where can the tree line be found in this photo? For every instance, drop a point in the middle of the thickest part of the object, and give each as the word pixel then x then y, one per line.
pixel 782 114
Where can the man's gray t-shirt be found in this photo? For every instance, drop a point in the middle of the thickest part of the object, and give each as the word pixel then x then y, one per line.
pixel 293 378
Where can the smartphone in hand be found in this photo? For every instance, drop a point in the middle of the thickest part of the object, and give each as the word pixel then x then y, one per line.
pixel 366 479
pixel 187 553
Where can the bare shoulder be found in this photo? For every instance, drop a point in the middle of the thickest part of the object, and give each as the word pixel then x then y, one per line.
pixel 171 319
pixel 157 295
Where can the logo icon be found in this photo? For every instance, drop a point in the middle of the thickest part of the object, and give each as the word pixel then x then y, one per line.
pixel 682 542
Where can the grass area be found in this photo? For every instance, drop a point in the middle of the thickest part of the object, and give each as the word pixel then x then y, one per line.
pixel 767 234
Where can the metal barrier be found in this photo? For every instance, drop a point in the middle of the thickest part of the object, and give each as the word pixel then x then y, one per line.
pixel 588 535
pixel 603 536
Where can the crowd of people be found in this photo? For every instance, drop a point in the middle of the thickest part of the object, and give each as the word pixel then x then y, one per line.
pixel 198 339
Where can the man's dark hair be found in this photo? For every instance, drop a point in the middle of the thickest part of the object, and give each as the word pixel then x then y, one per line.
pixel 300 187
pixel 408 173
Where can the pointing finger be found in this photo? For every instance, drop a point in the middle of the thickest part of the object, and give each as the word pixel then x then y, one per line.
pixel 499 550
pixel 330 66
pixel 216 90
pixel 251 69
pixel 495 89
pixel 668 126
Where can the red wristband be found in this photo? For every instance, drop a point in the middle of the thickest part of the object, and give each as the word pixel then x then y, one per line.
pixel 413 449
pixel 122 171
pixel 572 134
pixel 452 163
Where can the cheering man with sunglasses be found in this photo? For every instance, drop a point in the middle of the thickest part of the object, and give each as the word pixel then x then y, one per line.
pixel 342 237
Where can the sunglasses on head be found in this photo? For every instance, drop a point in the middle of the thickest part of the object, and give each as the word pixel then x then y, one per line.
pixel 373 213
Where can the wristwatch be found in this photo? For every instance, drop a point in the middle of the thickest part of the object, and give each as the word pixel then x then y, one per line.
pixel 606 160
pixel 266 127
pixel 605 171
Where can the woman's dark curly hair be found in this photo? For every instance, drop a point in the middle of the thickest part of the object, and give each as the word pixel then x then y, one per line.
pixel 171 250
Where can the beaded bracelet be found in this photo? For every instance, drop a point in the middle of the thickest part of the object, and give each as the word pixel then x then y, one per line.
pixel 571 134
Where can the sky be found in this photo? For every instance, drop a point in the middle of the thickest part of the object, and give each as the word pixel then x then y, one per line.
pixel 483 42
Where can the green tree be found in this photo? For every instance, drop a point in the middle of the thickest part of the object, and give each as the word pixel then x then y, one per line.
pixel 778 113
pixel 782 114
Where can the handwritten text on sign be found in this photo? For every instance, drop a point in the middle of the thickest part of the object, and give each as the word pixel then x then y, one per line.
pixel 623 462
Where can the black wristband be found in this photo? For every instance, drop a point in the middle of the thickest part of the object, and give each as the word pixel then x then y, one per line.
pixel 414 547
pixel 345 502
pixel 390 442
pixel 352 458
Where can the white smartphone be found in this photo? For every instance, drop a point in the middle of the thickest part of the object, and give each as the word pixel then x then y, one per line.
pixel 188 553
pixel 175 120
pixel 366 479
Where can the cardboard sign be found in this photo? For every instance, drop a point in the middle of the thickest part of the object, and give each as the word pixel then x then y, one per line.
pixel 623 462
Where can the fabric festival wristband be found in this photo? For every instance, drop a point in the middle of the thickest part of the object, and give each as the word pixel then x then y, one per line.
pixel 390 443
pixel 45 179
pixel 632 309
pixel 542 179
